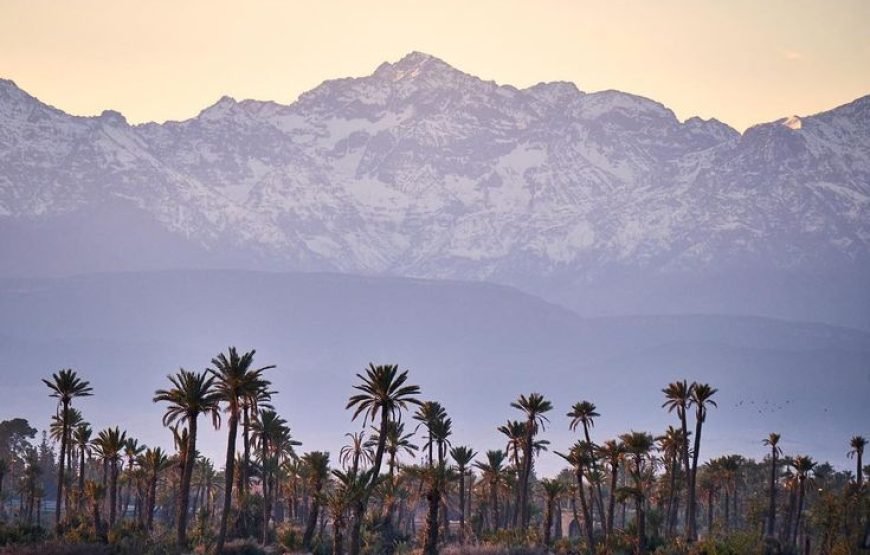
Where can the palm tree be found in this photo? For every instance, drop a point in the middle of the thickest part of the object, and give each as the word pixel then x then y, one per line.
pixel 462 456
pixel 317 463
pixel 677 398
pixel 671 445
pixel 515 432
pixel 803 466
pixel 580 460
pixel 65 386
pixel 857 444
pixel 95 493
pixel 132 449
pixel 110 443
pixel 349 488
pixel 638 445
pixel 700 397
pixel 191 394
pixel 494 473
pixel 552 489
pixel 534 406
pixel 357 451
pixel 612 451
pixel 272 434
pixel 154 461
pixel 383 394
pixel 235 380
pixel 81 438
pixel 427 414
pixel 772 441
pixel 397 441
pixel 584 413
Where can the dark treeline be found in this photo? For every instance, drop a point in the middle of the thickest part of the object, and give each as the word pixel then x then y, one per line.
pixel 400 485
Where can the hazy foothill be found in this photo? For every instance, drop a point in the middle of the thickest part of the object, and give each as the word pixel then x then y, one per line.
pixel 488 320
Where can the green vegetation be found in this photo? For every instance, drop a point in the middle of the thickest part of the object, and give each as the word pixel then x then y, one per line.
pixel 638 493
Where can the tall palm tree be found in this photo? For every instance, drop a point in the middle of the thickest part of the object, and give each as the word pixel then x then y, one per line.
pixel 772 441
pixel 700 397
pixel 534 407
pixel 349 487
pixel 553 489
pixel 397 441
pixel 251 406
pixel 191 394
pixel 584 413
pixel 318 472
pixel 359 450
pixel 427 414
pixel 803 466
pixel 857 443
pixel 611 451
pixel 81 438
pixel 154 461
pixel 132 450
pixel 65 386
pixel 677 398
pixel 671 445
pixel 638 446
pixel 383 394
pixel 515 432
pixel 111 443
pixel 272 434
pixel 235 379
pixel 495 475
pixel 462 456
pixel 580 460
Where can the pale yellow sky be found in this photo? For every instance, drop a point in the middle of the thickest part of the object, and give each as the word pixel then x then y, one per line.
pixel 741 61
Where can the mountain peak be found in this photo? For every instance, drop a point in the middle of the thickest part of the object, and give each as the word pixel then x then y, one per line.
pixel 413 65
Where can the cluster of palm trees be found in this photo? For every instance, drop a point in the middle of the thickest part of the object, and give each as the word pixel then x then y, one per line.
pixel 372 498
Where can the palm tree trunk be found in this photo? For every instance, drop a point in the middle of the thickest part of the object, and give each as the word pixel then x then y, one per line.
pixel 430 547
pixel 462 505
pixel 685 427
pixel 113 493
pixel 548 522
pixel 672 490
pixel 641 525
pixel 612 501
pixel 61 465
pixel 800 508
pixel 692 534
pixel 228 480
pixel 587 518
pixel 82 479
pixel 493 499
pixel 187 474
pixel 312 518
pixel 337 536
pixel 524 479
pixel 152 496
pixel 771 510
pixel 599 497
pixel 355 539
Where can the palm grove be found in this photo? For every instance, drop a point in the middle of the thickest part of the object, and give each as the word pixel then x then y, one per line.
pixel 400 484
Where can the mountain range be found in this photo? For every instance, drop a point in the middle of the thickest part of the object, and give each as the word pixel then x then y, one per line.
pixel 603 202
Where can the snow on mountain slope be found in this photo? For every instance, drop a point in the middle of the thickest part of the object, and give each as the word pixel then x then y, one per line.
pixel 422 170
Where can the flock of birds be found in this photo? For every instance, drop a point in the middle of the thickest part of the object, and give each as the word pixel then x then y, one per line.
pixel 767 406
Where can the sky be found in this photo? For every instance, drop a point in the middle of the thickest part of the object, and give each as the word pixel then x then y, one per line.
pixel 742 61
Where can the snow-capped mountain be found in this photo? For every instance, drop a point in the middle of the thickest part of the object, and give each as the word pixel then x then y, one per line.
pixel 604 201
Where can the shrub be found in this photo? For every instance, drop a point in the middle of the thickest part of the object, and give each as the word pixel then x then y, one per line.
pixel 243 547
